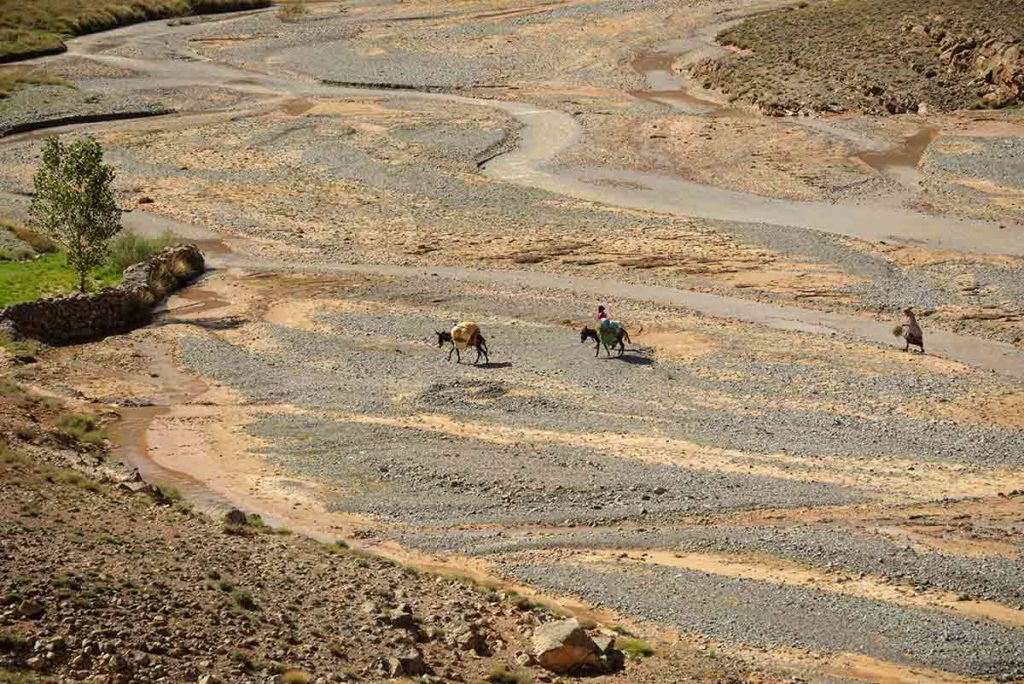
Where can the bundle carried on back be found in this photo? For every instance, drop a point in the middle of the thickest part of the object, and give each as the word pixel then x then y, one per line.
pixel 608 330
pixel 463 334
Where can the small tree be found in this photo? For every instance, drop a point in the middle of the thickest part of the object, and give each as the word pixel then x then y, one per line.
pixel 74 204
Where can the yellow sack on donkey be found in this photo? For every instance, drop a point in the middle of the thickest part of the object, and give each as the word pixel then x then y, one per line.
pixel 463 334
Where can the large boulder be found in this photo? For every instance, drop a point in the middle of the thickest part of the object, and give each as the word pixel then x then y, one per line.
pixel 564 647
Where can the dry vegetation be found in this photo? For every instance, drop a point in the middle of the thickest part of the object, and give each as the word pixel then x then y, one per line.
pixel 38 27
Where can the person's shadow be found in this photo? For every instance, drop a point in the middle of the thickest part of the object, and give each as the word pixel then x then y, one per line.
pixel 495 364
pixel 637 356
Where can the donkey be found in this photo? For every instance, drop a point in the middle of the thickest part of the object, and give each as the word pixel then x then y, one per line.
pixel 621 337
pixel 477 341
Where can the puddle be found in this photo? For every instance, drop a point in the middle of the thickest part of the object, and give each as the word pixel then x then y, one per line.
pixel 906 155
pixel 665 87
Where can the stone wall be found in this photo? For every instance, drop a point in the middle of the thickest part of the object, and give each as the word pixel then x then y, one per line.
pixel 80 317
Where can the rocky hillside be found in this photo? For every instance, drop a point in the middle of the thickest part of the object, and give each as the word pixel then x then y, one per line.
pixel 875 56
pixel 106 579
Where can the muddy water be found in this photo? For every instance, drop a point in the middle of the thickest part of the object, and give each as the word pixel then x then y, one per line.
pixel 666 88
pixel 131 434
pixel 130 437
pixel 907 154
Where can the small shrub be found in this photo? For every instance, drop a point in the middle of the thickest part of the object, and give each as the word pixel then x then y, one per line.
pixel 292 12
pixel 11 642
pixel 38 242
pixel 336 546
pixel 633 647
pixel 22 348
pixel 502 675
pixel 76 479
pixel 129 249
pixel 243 659
pixel 225 586
pixel 295 676
pixel 31 510
pixel 82 427
pixel 243 599
pixel 168 493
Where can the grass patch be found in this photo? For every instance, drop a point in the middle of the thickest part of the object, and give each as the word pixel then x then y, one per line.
pixel 292 11
pixel 295 676
pixel 82 427
pixel 128 249
pixel 35 27
pixel 168 493
pixel 338 546
pixel 502 675
pixel 12 78
pixel 22 348
pixel 75 479
pixel 11 642
pixel 49 275
pixel 243 599
pixel 633 647
pixel 37 241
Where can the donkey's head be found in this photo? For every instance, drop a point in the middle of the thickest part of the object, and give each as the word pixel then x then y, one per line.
pixel 587 334
pixel 443 338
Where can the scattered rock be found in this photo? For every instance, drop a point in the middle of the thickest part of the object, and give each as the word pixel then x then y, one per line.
pixel 565 648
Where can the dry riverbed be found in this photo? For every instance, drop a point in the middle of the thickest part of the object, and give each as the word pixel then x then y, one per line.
pixel 757 490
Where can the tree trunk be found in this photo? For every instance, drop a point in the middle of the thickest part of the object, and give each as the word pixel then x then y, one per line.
pixel 81 282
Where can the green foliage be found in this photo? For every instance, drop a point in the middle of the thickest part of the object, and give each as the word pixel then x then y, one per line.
pixel 82 427
pixel 76 479
pixel 130 249
pixel 502 675
pixel 32 27
pixel 74 204
pixel 243 599
pixel 10 642
pixel 24 281
pixel 633 647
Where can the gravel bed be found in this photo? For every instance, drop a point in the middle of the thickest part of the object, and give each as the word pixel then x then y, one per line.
pixel 832 549
pixel 38 104
pixel 414 477
pixel 767 615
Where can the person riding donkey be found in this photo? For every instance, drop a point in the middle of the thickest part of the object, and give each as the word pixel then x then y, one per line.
pixel 609 333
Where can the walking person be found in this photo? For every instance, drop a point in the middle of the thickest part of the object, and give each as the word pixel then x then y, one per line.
pixel 912 334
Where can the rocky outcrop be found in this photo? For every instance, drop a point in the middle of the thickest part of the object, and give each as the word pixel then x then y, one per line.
pixel 566 648
pixel 873 56
pixel 992 57
pixel 80 317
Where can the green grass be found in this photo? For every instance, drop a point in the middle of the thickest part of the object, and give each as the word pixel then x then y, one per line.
pixel 82 427
pixel 24 281
pixel 500 674
pixel 128 249
pixel 633 647
pixel 31 27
